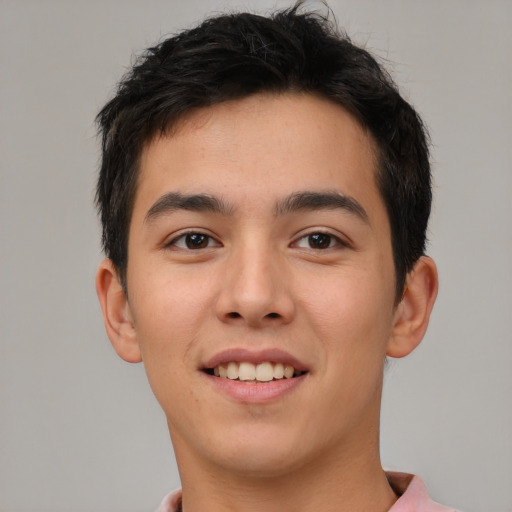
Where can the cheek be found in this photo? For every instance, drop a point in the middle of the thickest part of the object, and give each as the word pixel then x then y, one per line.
pixel 352 315
pixel 168 314
pixel 166 318
pixel 168 303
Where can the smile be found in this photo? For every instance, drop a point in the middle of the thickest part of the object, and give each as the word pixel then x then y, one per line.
pixel 254 373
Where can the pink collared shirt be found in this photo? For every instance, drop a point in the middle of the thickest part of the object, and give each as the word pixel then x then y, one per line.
pixel 410 488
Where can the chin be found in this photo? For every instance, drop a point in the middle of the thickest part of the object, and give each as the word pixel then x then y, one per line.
pixel 249 452
pixel 260 462
pixel 274 452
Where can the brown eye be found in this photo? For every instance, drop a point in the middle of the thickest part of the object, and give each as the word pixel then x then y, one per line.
pixel 193 241
pixel 196 241
pixel 320 241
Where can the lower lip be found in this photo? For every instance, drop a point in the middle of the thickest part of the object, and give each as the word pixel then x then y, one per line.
pixel 255 393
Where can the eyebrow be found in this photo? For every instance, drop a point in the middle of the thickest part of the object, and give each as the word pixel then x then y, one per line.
pixel 328 200
pixel 299 201
pixel 174 201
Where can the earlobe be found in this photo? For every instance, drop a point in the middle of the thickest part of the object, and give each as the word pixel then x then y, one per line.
pixel 116 313
pixel 413 313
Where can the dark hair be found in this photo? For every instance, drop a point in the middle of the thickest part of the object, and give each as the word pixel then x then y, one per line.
pixel 235 55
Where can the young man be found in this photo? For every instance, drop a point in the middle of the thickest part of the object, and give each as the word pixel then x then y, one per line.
pixel 264 193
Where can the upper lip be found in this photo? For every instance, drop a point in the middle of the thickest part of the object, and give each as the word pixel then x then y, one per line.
pixel 274 355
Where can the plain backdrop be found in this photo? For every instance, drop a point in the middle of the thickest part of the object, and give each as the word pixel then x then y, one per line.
pixel 79 428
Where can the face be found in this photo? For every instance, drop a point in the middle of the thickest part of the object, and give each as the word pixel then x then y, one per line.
pixel 259 248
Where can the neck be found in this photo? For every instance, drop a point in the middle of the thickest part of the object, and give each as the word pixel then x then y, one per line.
pixel 352 482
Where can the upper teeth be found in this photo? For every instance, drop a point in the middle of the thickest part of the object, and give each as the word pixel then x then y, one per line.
pixel 263 372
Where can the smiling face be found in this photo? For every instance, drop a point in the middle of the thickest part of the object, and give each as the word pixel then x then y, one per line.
pixel 260 249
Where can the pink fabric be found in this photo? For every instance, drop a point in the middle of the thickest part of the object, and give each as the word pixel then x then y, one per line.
pixel 170 502
pixel 413 494
pixel 410 488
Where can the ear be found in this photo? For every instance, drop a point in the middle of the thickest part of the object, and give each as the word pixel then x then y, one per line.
pixel 116 313
pixel 413 312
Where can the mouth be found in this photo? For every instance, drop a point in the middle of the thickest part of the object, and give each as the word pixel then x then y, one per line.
pixel 250 376
pixel 252 373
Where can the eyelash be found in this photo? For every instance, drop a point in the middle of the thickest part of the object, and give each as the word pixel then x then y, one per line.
pixel 332 241
pixel 183 236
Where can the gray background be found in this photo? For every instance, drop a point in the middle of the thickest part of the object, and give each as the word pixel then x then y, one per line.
pixel 79 429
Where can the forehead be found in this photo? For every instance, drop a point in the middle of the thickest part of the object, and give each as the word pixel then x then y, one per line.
pixel 264 145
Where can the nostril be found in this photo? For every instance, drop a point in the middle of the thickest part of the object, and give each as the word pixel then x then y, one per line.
pixel 273 315
pixel 234 314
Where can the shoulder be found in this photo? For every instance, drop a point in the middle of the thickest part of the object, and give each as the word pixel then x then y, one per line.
pixel 171 503
pixel 413 494
pixel 411 489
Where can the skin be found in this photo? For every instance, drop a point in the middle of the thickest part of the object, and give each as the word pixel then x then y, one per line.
pixel 258 282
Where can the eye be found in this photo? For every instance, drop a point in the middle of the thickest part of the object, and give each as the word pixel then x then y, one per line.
pixel 193 241
pixel 319 241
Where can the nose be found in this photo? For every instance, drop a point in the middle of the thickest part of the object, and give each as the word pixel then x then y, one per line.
pixel 255 290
